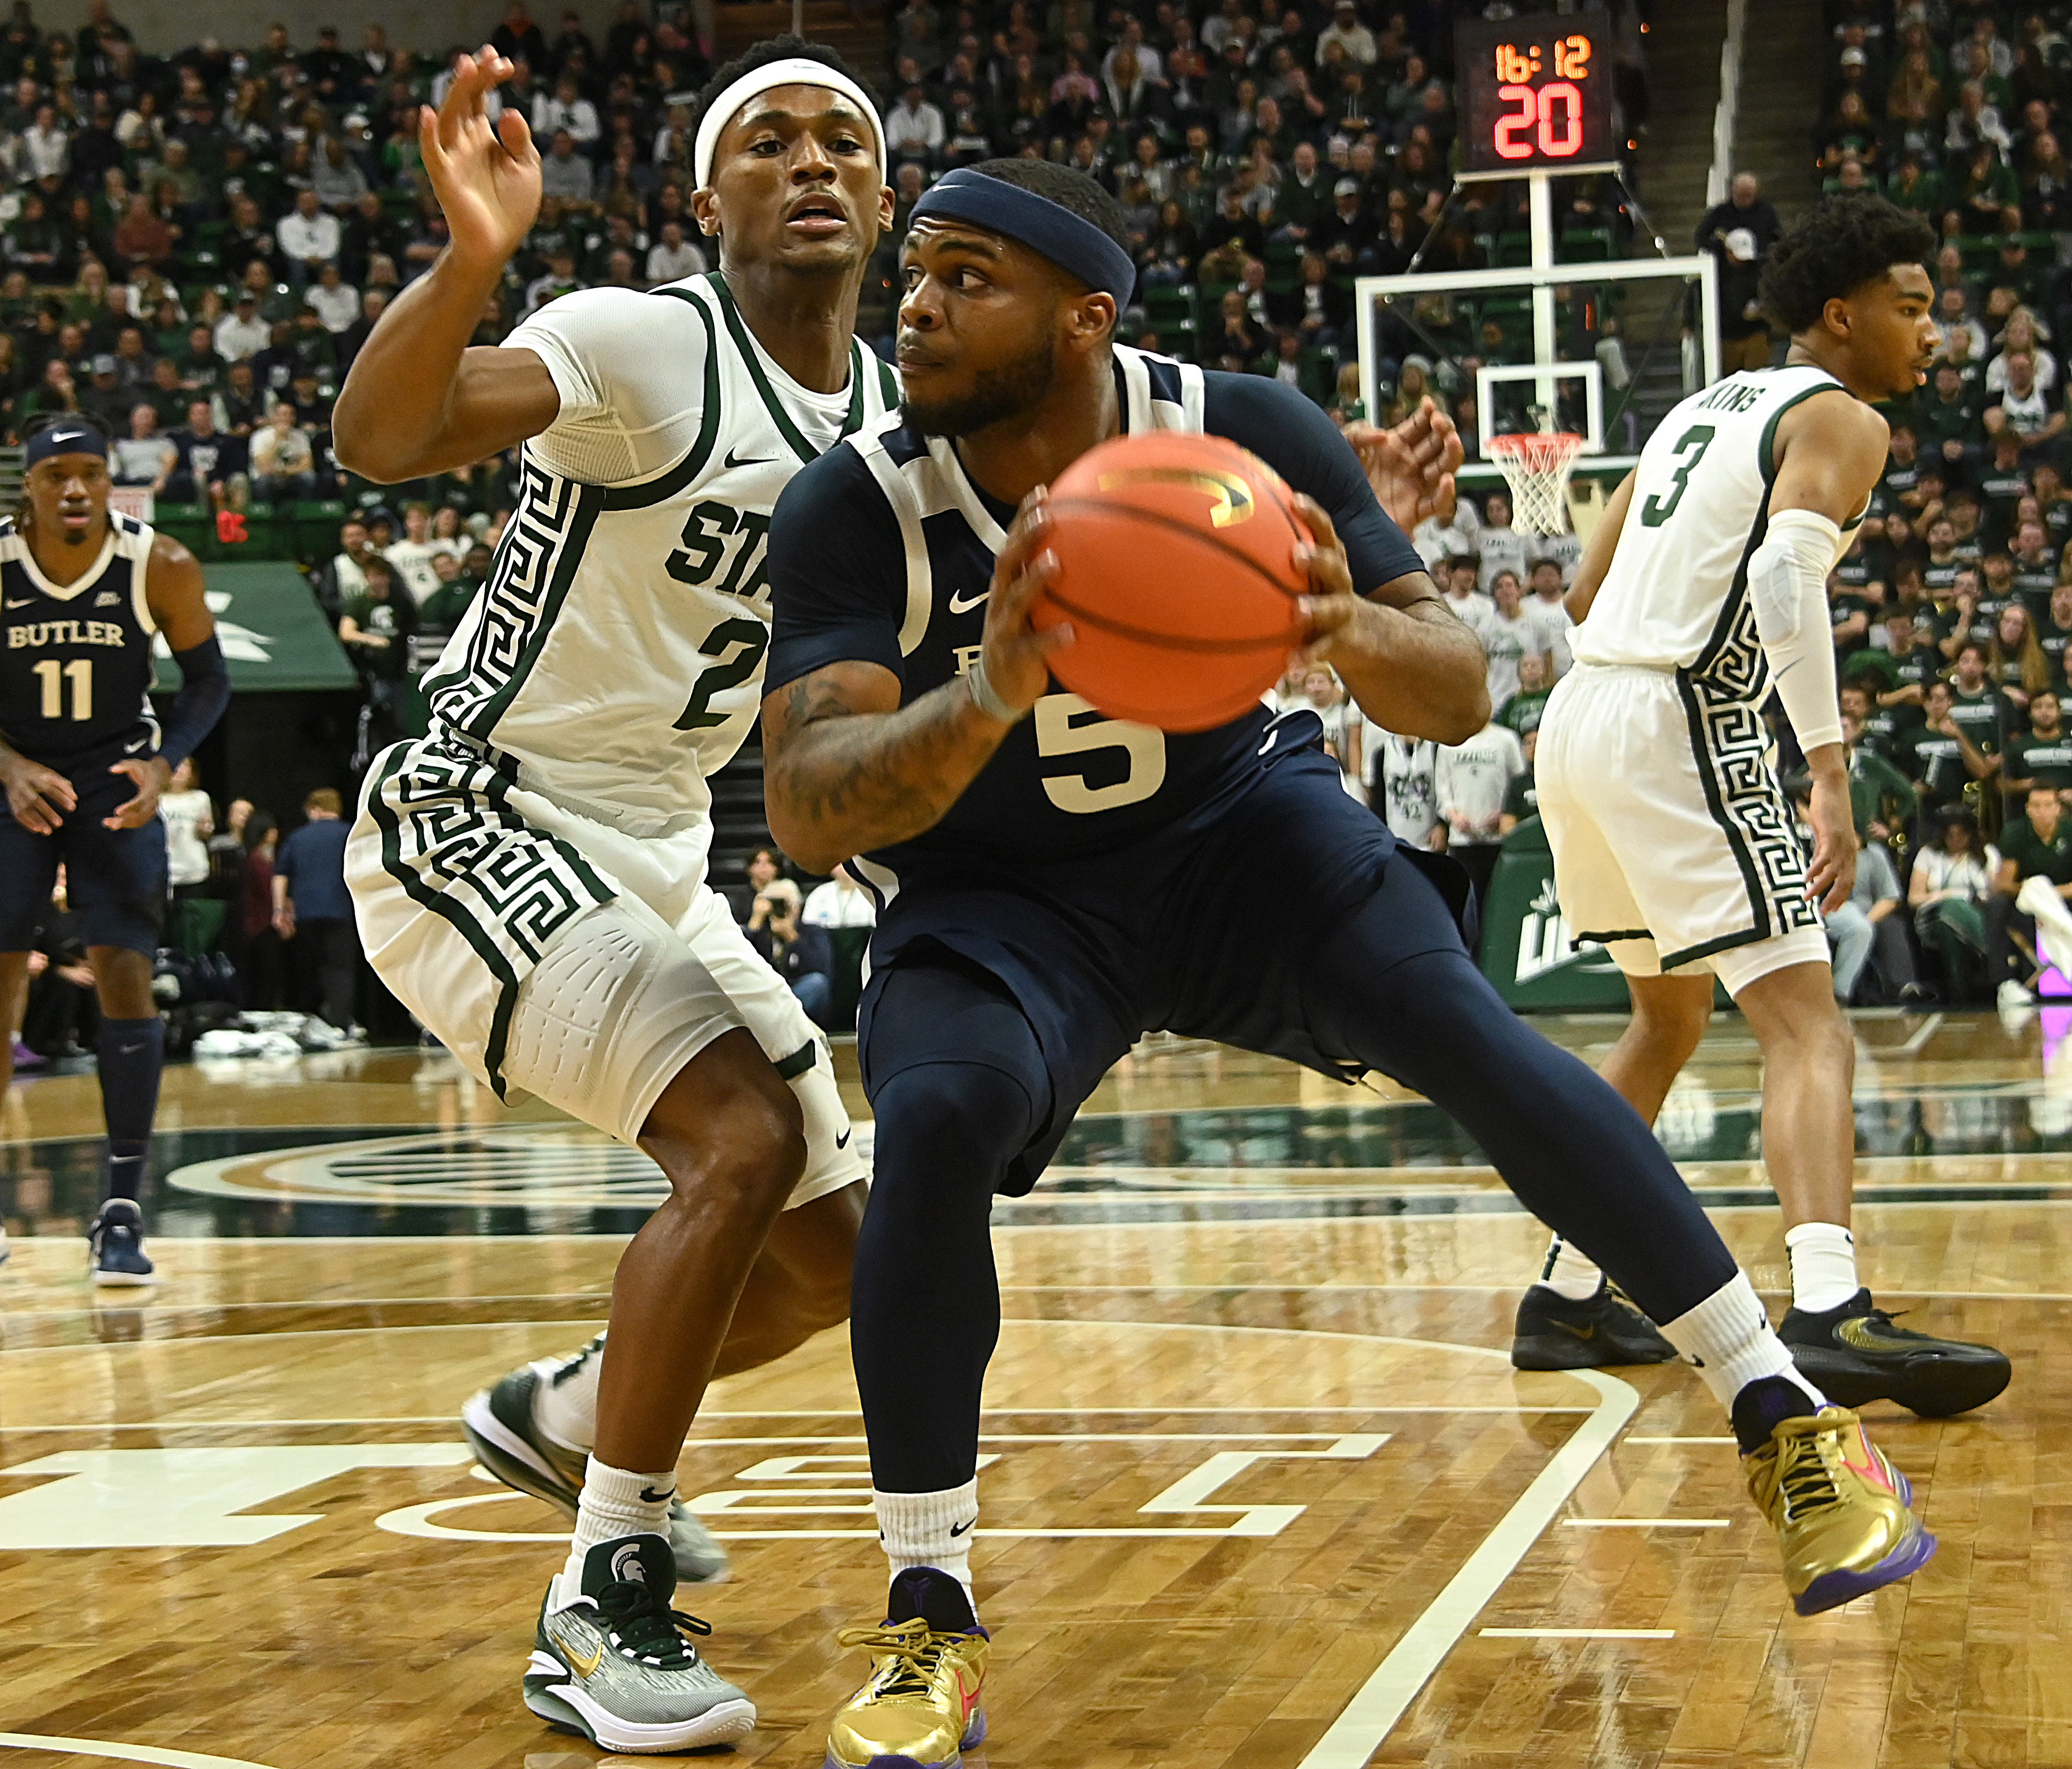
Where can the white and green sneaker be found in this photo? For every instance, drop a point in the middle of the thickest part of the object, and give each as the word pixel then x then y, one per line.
pixel 505 1435
pixel 615 1663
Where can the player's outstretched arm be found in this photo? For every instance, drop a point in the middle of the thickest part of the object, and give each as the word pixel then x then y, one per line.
pixel 173 592
pixel 1829 452
pixel 418 399
pixel 846 769
pixel 1411 467
pixel 1410 663
pixel 1597 558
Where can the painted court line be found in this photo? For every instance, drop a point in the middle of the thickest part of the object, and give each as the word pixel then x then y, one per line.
pixel 1678 1440
pixel 1357 1732
pixel 1643 1523
pixel 122 1753
pixel 1578 1633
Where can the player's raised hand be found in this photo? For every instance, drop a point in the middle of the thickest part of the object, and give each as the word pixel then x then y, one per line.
pixel 1332 609
pixel 1017 657
pixel 39 797
pixel 151 777
pixel 1832 876
pixel 486 175
pixel 1411 467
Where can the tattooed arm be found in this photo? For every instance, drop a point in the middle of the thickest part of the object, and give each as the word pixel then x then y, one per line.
pixel 846 769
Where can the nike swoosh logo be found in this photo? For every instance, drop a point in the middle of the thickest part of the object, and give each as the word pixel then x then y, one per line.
pixel 582 1664
pixel 23 603
pixel 132 749
pixel 958 1529
pixel 842 1140
pixel 1870 1469
pixel 959 605
pixel 734 460
pixel 129 1050
pixel 649 1496
pixel 1589 1332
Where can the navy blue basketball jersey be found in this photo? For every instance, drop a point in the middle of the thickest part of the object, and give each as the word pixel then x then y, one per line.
pixel 76 658
pixel 883 552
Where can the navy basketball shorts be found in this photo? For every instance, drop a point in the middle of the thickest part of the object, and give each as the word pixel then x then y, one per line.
pixel 1207 931
pixel 115 878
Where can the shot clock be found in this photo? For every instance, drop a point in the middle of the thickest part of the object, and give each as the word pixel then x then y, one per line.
pixel 1535 93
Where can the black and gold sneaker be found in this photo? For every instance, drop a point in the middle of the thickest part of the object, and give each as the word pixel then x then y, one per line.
pixel 1602 1331
pixel 1857 1353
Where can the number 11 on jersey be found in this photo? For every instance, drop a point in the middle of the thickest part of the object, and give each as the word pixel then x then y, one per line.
pixel 53 675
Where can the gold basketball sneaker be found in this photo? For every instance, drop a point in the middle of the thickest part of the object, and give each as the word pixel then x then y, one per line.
pixel 1839 1508
pixel 920 1707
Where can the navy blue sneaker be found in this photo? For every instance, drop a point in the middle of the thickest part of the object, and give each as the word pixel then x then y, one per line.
pixel 115 1244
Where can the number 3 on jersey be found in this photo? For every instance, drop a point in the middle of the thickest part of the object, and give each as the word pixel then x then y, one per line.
pixel 1689 451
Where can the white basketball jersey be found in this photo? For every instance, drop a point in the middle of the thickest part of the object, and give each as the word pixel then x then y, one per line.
pixel 1674 596
pixel 617 650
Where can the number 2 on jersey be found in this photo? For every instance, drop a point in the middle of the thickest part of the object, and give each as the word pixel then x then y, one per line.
pixel 752 638
pixel 1689 451
pixel 52 676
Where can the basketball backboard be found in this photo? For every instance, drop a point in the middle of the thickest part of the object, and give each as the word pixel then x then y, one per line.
pixel 1602 348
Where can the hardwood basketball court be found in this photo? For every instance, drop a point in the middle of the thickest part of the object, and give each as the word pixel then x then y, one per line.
pixel 1262 1489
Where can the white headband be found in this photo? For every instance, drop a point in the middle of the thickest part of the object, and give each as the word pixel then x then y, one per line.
pixel 798 71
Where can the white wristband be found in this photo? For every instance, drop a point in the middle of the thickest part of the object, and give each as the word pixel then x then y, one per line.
pixel 987 699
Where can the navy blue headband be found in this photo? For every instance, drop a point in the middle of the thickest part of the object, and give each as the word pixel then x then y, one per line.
pixel 1069 241
pixel 63 438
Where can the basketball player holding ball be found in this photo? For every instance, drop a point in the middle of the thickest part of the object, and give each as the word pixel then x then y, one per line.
pixel 1052 884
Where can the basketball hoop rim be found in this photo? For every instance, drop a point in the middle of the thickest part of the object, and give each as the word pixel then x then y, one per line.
pixel 1536 448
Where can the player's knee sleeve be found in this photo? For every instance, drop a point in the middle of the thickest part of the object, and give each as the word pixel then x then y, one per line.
pixel 615 1008
pixel 950 1129
pixel 1787 578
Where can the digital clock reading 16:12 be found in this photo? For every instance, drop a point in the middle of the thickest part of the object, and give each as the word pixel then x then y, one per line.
pixel 1533 101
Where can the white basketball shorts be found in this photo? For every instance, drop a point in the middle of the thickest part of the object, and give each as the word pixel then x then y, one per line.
pixel 557 956
pixel 1673 843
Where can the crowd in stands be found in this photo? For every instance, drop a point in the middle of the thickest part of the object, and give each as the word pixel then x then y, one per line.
pixel 189 242
pixel 1953 611
pixel 1264 153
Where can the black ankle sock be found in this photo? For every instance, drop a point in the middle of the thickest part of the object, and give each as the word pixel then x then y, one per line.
pixel 1761 1403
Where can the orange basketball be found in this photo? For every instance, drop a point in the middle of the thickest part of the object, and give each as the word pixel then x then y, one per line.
pixel 1176 568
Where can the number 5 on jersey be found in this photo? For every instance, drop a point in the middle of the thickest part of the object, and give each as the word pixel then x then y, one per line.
pixel 1064 727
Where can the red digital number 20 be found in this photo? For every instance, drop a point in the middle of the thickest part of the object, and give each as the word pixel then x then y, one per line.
pixel 1534 124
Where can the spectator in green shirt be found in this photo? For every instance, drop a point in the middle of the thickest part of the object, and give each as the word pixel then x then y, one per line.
pixel 2038 846
pixel 1976 704
pixel 1522 711
pixel 2040 755
pixel 1943 760
pixel 1880 797
pixel 1946 416
pixel 2054 631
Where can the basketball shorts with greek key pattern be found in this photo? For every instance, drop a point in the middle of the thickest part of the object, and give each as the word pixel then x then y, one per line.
pixel 1673 844
pixel 557 956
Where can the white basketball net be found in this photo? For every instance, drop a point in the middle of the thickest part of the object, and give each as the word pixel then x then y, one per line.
pixel 1536 465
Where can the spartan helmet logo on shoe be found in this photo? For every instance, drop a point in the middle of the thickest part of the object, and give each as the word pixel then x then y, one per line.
pixel 627 1567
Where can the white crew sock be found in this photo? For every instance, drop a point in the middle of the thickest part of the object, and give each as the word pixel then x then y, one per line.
pixel 1567 1273
pixel 931 1529
pixel 1728 1338
pixel 565 1398
pixel 1823 1266
pixel 614 1504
